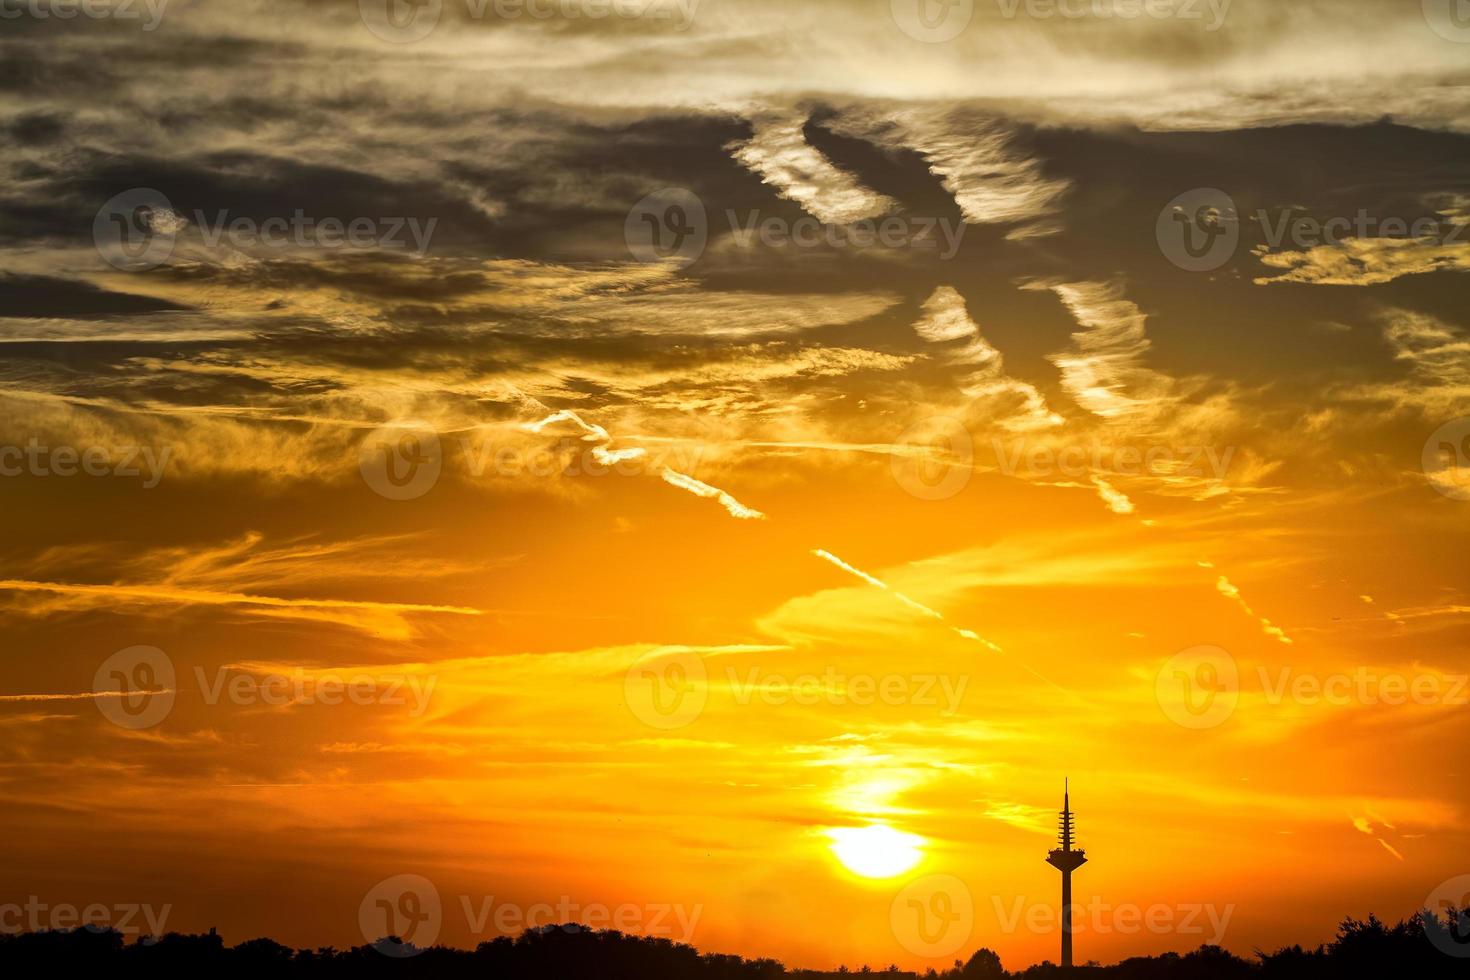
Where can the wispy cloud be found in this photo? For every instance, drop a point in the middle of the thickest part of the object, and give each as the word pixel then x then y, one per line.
pixel 700 489
pixel 779 152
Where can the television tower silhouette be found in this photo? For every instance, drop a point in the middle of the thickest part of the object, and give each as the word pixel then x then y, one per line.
pixel 1066 859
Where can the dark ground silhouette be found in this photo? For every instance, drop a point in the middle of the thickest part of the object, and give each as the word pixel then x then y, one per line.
pixel 1362 949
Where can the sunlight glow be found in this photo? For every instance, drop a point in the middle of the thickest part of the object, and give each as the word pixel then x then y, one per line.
pixel 876 851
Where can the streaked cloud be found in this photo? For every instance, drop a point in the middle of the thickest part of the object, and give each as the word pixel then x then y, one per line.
pixel 778 151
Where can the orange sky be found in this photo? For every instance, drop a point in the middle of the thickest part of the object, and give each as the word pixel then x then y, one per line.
pixel 761 598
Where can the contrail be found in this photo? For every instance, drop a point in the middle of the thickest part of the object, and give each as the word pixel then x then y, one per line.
pixel 911 603
pixel 596 433
pixel 736 508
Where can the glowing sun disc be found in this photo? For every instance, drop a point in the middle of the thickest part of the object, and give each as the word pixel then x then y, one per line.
pixel 876 851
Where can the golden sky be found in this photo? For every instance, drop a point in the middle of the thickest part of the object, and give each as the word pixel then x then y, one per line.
pixel 744 461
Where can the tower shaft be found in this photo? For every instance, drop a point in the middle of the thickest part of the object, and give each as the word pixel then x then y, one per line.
pixel 1066 918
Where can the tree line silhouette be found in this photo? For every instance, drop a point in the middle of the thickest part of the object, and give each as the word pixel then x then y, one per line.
pixel 1413 948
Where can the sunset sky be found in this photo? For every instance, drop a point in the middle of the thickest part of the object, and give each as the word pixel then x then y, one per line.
pixel 694 544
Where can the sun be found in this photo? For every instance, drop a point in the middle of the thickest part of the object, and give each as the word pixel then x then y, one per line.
pixel 877 850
